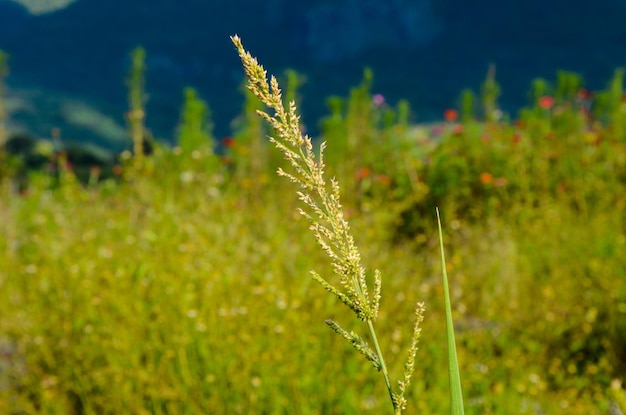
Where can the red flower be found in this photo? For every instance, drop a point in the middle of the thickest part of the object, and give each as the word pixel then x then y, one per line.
pixel 363 173
pixel 546 102
pixel 450 115
pixel 486 178
pixel 228 142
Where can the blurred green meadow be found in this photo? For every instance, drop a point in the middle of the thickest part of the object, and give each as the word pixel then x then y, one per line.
pixel 175 279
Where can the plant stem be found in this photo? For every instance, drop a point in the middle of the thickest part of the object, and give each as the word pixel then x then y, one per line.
pixel 383 367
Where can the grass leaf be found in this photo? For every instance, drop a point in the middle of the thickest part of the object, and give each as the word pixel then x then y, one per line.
pixel 456 394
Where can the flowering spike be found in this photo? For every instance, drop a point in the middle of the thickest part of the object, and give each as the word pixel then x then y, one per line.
pixel 322 208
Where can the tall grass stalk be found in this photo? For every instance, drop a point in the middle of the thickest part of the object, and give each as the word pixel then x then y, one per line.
pixel 323 209
pixel 456 395
pixel 195 130
pixel 136 100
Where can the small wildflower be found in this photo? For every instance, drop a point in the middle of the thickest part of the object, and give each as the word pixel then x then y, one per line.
pixel 500 182
pixel 228 142
pixel 378 100
pixel 436 131
pixel 545 102
pixel 486 178
pixel 383 179
pixel 458 129
pixel 450 115
pixel 187 176
pixel 517 137
pixel 118 170
pixel 363 173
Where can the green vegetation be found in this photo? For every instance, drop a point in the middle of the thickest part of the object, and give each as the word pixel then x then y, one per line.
pixel 184 286
pixel 136 99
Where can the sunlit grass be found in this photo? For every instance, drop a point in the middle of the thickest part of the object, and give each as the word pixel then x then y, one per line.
pixel 185 288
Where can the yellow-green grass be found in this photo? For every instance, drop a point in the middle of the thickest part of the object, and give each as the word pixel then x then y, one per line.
pixel 185 287
pixel 193 296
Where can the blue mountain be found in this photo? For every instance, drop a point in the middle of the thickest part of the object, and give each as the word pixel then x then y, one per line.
pixel 68 67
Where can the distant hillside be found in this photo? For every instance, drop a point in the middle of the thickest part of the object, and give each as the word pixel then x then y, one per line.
pixel 423 50
pixel 38 7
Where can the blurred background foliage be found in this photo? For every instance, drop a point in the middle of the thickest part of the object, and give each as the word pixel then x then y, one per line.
pixel 174 279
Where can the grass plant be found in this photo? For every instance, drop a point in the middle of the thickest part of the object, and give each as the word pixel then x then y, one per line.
pixel 324 212
pixel 136 100
pixel 456 392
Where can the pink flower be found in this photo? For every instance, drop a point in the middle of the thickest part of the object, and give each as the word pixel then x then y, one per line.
pixel 500 182
pixel 437 131
pixel 378 100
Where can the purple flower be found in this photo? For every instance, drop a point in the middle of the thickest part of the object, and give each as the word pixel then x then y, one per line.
pixel 378 99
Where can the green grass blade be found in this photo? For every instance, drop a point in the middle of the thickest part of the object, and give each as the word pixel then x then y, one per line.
pixel 456 394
